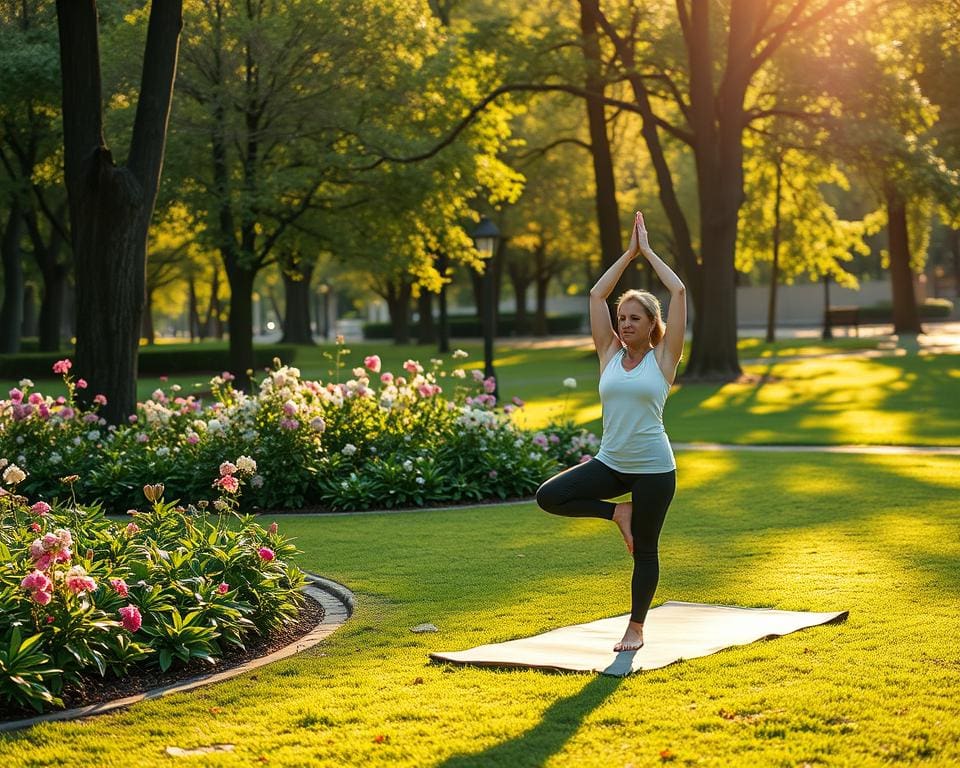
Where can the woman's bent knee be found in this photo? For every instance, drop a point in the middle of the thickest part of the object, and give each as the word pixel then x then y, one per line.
pixel 547 498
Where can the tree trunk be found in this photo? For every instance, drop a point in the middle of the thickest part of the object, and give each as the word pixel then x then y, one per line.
pixel 146 330
pixel 443 340
pixel 540 316
pixel 775 264
pixel 955 250
pixel 213 326
pixel 11 314
pixel 608 216
pixel 426 329
pixel 29 327
pixel 54 274
pixel 520 286
pixel 906 316
pixel 110 205
pixel 240 324
pixel 193 311
pixel 296 322
pixel 398 305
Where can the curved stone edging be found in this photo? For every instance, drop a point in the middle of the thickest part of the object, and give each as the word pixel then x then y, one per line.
pixel 337 601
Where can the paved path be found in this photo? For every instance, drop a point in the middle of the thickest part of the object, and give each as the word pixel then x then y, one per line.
pixel 884 450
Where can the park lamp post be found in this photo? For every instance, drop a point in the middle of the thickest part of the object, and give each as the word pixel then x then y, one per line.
pixel 485 237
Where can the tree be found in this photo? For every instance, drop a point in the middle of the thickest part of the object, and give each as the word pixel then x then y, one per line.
pixel 111 205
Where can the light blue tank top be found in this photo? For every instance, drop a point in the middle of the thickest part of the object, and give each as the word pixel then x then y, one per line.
pixel 634 440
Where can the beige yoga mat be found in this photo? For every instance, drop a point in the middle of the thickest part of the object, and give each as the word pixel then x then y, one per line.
pixel 672 632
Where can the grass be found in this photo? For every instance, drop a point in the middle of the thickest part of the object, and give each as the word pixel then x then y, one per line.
pixel 872 534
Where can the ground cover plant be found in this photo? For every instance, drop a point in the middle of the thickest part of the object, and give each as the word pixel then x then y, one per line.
pixel 872 534
pixel 83 595
pixel 365 438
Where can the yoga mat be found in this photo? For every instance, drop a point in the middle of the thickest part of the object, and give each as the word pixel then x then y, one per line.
pixel 672 632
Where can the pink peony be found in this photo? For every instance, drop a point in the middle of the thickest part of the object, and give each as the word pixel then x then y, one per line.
pixel 223 588
pixel 120 587
pixel 372 362
pixel 477 374
pixel 67 413
pixel 35 398
pixel 16 395
pixel 386 378
pixel 43 598
pixel 518 402
pixel 290 408
pixel 489 384
pixel 62 367
pixel 317 424
pixel 78 581
pixel 412 367
pixel 228 483
pixel 81 383
pixel 37 580
pixel 40 509
pixel 193 438
pixel 131 618
pixel 35 527
pixel 266 554
pixel 102 400
pixel 132 528
pixel 143 437
pixel 228 468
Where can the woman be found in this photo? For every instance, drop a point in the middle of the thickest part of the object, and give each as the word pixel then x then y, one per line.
pixel 638 363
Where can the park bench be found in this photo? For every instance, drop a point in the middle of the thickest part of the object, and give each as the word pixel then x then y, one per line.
pixel 849 316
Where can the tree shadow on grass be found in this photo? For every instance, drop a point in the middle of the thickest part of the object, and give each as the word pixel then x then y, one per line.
pixel 536 746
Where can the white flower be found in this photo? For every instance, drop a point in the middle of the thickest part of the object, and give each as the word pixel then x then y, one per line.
pixel 408 465
pixel 20 440
pixel 13 475
pixel 246 465
pixel 163 451
pixel 570 383
pixel 55 458
pixel 256 481
pixel 24 383
pixel 214 425
pixel 458 353
pixel 458 373
pixel 349 449
pixel 93 435
pixel 421 480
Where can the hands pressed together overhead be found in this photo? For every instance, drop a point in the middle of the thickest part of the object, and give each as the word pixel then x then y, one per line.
pixel 639 243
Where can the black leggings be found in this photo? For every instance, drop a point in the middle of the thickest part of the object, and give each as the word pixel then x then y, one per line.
pixel 579 492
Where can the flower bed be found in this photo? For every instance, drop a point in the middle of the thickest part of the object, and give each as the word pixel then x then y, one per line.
pixel 81 594
pixel 375 439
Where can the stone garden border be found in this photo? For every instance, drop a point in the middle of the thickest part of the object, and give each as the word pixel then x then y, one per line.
pixel 337 601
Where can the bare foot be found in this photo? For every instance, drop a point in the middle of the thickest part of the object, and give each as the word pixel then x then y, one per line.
pixel 632 638
pixel 621 516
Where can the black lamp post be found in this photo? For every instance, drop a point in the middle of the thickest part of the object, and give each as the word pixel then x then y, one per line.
pixel 485 237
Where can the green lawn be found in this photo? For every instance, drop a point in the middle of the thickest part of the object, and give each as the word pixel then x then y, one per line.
pixel 875 535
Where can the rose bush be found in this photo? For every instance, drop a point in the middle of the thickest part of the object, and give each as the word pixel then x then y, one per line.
pixel 82 594
pixel 375 439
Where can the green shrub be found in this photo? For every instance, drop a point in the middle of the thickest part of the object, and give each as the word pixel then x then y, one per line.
pixel 931 309
pixel 467 327
pixel 81 594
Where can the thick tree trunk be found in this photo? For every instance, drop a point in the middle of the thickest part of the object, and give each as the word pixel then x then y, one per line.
pixel 110 205
pixel 296 322
pixel 426 328
pixel 11 314
pixel 240 324
pixel 608 214
pixel 398 305
pixel 906 316
pixel 540 315
pixel 147 331
pixel 213 326
pixel 775 263
pixel 29 327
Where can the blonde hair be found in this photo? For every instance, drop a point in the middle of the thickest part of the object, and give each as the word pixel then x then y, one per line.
pixel 651 305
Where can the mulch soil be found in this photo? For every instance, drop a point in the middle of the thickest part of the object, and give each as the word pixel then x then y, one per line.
pixel 93 689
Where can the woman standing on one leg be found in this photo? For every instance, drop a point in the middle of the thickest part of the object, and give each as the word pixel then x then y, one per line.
pixel 638 363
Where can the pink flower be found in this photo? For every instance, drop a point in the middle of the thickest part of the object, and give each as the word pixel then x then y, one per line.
pixel 412 367
pixel 425 390
pixel 386 378
pixel 81 383
pixel 102 400
pixel 489 384
pixel 164 378
pixel 35 398
pixel 508 409
pixel 228 483
pixel 43 598
pixel 16 395
pixel 143 437
pixel 273 528
pixel 50 619
pixel 227 376
pixel 317 424
pixel 132 418
pixel 78 581
pixel 132 528
pixel 67 413
pixel 37 581
pixel 290 424
pixel 372 362
pixel 228 468
pixel 131 618
pixel 518 402
pixel 40 509
pixel 290 408
pixel 477 374
pixel 223 588
pixel 35 527
pixel 62 367
pixel 266 554
pixel 120 587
